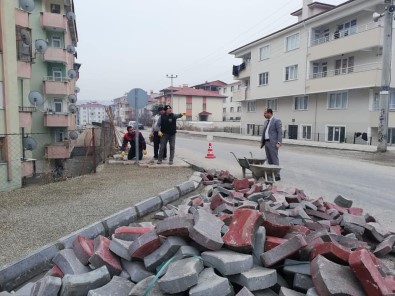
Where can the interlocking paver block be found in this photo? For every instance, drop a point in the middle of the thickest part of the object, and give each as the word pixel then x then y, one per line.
pixel 218 200
pixel 210 284
pixel 103 256
pixel 81 284
pixel 120 247
pixel 385 247
pixel 164 252
pixel 330 278
pixel 241 230
pixel 173 194
pixel 148 205
pixel 276 225
pixel 302 282
pixel 257 278
pixel 175 226
pixel 377 231
pixel 140 288
pixel 343 202
pixel 294 266
pixel 123 217
pixel 144 245
pixel 272 242
pixel 284 250
pixel 332 251
pixel 55 271
pixel 47 286
pixel 288 292
pixel 117 286
pixel 207 230
pixel 187 251
pixel 358 220
pixel 244 292
pixel 83 248
pixel 136 270
pixel 239 184
pixel 181 275
pixel 130 233
pixel 259 244
pixel 312 292
pixel 228 262
pixel 69 263
pixel 185 188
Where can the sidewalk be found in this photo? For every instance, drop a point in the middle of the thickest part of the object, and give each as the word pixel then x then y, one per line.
pixel 339 146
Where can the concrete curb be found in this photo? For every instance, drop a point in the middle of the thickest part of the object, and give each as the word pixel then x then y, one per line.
pixel 20 271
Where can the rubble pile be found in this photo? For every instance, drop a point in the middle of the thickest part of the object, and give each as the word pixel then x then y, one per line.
pixel 237 237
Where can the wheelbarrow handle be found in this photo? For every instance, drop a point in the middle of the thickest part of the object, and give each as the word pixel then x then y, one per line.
pixel 251 155
pixel 234 156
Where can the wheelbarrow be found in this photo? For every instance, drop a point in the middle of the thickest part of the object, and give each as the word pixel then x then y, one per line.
pixel 245 162
pixel 266 171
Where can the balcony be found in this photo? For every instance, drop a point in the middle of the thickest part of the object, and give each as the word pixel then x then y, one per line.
pixel 59 120
pixel 28 167
pixel 21 18
pixel 359 76
pixel 53 21
pixel 54 54
pixel 242 71
pixel 57 86
pixel 24 69
pixel 59 150
pixel 242 94
pixel 359 38
pixel 25 116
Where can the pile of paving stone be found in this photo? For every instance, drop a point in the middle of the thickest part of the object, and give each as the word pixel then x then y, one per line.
pixel 237 237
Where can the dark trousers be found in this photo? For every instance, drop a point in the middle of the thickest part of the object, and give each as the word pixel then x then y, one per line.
pixel 271 153
pixel 132 153
pixel 163 142
pixel 157 145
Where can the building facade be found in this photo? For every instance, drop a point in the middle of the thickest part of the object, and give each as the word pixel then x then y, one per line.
pixel 231 108
pixel 91 112
pixel 321 76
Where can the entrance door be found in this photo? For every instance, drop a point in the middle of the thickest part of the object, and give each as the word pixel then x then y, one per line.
pixel 293 132
pixel 391 136
pixel 336 134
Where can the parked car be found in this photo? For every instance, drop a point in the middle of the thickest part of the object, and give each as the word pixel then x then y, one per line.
pixel 133 123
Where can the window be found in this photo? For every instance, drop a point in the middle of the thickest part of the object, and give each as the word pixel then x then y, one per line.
pixel 231 99
pixel 223 110
pixel 57 74
pixel 344 66
pixel 55 8
pixel 376 102
pixel 272 104
pixel 338 100
pixel 224 90
pixel 239 109
pixel 306 132
pixel 189 118
pixel 232 109
pixel 346 29
pixel 251 106
pixel 300 103
pixel 392 101
pixel 56 42
pixel 189 106
pixel 238 87
pixel 292 42
pixel 264 52
pixel 57 105
pixel 320 70
pixel 59 136
pixel 2 149
pixel 264 78
pixel 1 95
pixel 232 88
pixel 291 73
pixel 336 134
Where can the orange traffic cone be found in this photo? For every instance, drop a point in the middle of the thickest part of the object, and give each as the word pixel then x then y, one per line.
pixel 210 152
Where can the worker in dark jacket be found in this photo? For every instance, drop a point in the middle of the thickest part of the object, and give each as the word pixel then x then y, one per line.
pixel 167 129
pixel 130 137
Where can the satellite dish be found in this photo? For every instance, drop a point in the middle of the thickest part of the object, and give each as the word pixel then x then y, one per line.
pixel 27 5
pixel 72 99
pixel 70 49
pixel 72 108
pixel 76 89
pixel 36 98
pixel 70 16
pixel 72 74
pixel 41 45
pixel 25 36
pixel 73 135
pixel 29 143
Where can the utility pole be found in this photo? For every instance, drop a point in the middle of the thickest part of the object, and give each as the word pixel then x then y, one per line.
pixel 171 76
pixel 385 78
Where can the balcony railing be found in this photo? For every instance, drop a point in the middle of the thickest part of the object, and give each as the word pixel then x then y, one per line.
pixel 53 21
pixel 345 33
pixel 27 109
pixel 59 150
pixel 57 79
pixel 346 70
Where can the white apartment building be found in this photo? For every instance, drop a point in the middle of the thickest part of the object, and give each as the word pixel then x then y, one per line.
pixel 91 112
pixel 231 108
pixel 321 76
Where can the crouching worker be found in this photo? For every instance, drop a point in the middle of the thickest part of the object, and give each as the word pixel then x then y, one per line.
pixel 130 137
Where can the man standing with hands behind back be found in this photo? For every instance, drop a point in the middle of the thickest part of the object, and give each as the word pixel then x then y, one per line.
pixel 272 138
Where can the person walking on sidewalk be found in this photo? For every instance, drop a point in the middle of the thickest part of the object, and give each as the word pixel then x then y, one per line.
pixel 130 137
pixel 272 138
pixel 156 141
pixel 167 129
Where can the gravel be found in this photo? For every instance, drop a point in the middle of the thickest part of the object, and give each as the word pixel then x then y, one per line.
pixel 34 216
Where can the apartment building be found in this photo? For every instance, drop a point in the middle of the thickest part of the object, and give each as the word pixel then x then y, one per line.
pixel 231 108
pixel 321 76
pixel 37 53
pixel 91 112
pixel 210 86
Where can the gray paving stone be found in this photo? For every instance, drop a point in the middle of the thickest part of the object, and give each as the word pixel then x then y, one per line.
pixel 343 202
pixel 354 219
pixel 210 284
pixel 187 251
pixel 266 292
pixel 81 284
pixel 302 282
pixel 312 292
pixel 69 263
pixel 257 278
pixel 228 262
pixel 181 275
pixel 91 231
pixel 207 230
pixel 136 270
pixel 164 252
pixel 170 195
pixel 140 288
pixel 148 205
pixel 175 226
pixel 120 247
pixel 4 293
pixel 244 292
pixel 26 290
pixel 116 287
pixel 259 245
pixel 47 286
pixel 288 292
pixel 196 181
pixel 185 188
pixel 377 231
pixel 122 218
pixel 294 266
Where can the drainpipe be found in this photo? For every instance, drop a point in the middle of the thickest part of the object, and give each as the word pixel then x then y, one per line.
pixel 6 96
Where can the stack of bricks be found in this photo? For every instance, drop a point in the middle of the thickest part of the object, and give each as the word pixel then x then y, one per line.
pixel 237 237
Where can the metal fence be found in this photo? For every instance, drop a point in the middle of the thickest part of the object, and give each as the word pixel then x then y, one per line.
pixel 30 158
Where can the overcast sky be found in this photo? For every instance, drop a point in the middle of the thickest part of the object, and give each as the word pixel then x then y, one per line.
pixel 125 44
